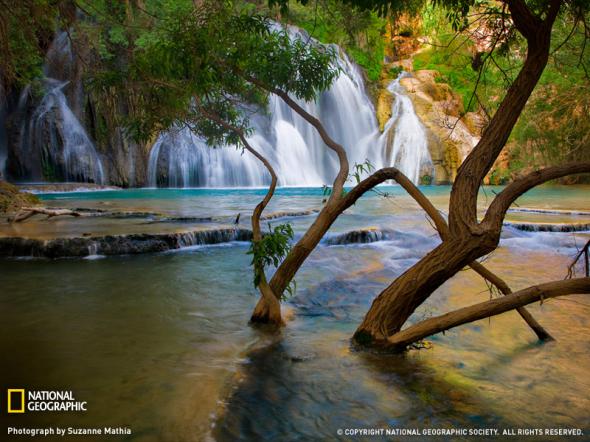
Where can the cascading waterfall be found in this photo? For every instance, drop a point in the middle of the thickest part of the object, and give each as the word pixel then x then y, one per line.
pixel 404 137
pixel 54 144
pixel 53 134
pixel 180 159
pixel 54 131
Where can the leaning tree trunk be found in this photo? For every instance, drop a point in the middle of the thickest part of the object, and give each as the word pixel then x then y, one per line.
pixel 467 240
pixel 396 303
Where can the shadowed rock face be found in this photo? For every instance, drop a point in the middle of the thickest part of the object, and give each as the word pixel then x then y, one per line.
pixel 119 244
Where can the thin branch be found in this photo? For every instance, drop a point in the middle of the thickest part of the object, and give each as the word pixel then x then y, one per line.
pixel 497 209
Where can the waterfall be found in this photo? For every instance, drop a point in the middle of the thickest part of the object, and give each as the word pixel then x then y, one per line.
pixel 296 151
pixel 404 137
pixel 53 142
pixel 54 131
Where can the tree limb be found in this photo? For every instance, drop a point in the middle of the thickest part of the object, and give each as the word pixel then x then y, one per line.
pixel 441 227
pixel 523 18
pixel 429 327
pixel 496 212
pixel 316 123
pixel 268 307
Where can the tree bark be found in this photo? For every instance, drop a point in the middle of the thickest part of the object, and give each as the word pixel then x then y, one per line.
pixel 429 327
pixel 467 239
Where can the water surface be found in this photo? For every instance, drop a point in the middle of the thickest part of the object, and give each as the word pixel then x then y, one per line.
pixel 159 342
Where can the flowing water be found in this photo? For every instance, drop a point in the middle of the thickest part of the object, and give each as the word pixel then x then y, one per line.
pixel 52 139
pixel 299 156
pixel 404 136
pixel 160 342
pixel 55 146
pixel 68 147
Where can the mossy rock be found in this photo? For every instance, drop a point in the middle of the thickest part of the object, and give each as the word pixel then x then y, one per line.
pixel 451 158
pixel 12 199
pixel 384 103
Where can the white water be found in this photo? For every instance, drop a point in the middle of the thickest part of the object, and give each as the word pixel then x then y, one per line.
pixel 300 158
pixel 53 133
pixel 407 148
pixel 56 132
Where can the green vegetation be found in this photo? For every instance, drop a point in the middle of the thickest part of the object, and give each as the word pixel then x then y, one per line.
pixel 270 250
pixel 553 128
pixel 11 199
pixel 359 32
pixel 26 30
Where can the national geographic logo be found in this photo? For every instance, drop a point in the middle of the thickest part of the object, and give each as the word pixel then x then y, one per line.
pixel 20 400
pixel 16 400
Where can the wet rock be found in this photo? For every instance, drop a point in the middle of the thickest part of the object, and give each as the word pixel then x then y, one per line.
pixel 117 244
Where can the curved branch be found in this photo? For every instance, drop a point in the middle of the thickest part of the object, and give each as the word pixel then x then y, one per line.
pixel 392 173
pixel 268 308
pixel 442 228
pixel 429 327
pixel 317 124
pixel 497 209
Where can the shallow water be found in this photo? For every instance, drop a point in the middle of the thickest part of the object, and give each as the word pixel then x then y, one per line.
pixel 159 342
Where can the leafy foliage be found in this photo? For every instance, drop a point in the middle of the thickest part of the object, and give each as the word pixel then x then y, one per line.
pixel 210 67
pixel 360 169
pixel 359 32
pixel 26 29
pixel 270 250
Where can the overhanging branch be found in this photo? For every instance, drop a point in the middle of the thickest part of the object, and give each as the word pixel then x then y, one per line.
pixel 496 212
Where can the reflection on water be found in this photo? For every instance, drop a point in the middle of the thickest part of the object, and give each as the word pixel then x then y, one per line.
pixel 159 343
pixel 148 341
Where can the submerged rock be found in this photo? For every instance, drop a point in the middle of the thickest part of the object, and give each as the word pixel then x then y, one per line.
pixel 117 244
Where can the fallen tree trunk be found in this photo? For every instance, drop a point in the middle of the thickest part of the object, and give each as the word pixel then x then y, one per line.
pixel 399 341
pixel 28 212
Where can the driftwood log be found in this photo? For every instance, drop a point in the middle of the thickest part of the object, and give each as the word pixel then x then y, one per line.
pixel 27 212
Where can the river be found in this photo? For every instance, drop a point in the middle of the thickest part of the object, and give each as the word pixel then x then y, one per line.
pixel 160 343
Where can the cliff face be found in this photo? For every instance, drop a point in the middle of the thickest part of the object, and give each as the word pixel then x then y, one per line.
pixel 56 130
pixel 451 132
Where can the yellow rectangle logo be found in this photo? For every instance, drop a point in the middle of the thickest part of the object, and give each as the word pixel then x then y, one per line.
pixel 16 404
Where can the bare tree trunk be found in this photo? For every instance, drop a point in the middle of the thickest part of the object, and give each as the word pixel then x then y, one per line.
pixel 268 308
pixel 467 239
pixel 396 303
pixel 431 326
